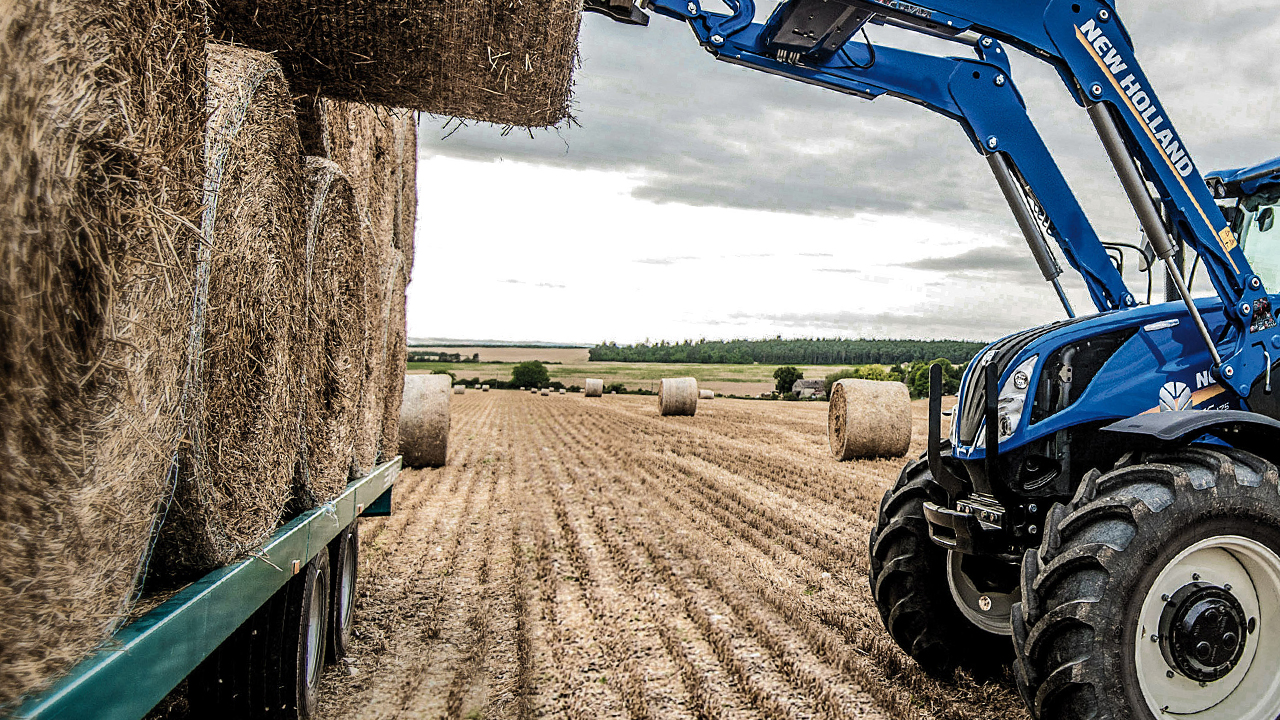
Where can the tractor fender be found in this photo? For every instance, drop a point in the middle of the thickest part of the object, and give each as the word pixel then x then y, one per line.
pixel 1248 431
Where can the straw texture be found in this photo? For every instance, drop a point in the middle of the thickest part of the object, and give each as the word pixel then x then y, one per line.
pixel 101 112
pixel 238 472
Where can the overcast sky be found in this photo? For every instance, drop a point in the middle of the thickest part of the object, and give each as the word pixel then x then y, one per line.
pixel 698 199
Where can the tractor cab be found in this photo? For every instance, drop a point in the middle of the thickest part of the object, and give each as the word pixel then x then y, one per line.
pixel 1250 200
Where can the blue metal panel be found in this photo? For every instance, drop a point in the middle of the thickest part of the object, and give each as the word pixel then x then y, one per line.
pixel 146 659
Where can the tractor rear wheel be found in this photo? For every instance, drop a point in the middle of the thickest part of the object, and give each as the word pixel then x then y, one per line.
pixel 1155 592
pixel 913 581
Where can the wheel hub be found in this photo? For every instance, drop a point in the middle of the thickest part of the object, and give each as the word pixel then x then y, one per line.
pixel 1202 631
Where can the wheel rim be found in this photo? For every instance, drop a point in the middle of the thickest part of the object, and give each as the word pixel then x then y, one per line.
pixel 347 590
pixel 1250 572
pixel 988 610
pixel 315 625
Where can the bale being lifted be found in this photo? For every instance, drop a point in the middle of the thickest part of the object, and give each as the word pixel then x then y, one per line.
pixel 595 387
pixel 868 418
pixel 678 396
pixel 424 420
pixel 500 62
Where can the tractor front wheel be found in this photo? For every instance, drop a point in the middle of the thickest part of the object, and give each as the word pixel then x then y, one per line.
pixel 918 587
pixel 1156 593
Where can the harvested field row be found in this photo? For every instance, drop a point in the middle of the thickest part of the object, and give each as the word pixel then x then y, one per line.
pixel 588 558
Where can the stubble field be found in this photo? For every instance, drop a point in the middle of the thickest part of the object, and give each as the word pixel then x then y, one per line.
pixel 586 558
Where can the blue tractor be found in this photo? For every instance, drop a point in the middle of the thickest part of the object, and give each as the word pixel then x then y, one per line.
pixel 1104 516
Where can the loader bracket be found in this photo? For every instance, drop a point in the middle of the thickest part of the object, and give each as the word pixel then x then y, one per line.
pixel 623 11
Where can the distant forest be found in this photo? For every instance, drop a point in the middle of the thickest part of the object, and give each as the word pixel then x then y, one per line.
pixel 818 351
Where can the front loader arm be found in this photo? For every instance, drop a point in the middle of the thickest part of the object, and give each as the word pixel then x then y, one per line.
pixel 1093 53
pixel 977 93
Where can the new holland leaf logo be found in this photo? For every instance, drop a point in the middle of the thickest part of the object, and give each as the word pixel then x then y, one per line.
pixel 1175 396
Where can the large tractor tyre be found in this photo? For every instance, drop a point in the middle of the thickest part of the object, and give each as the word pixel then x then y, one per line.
pixel 1156 593
pixel 344 559
pixel 911 586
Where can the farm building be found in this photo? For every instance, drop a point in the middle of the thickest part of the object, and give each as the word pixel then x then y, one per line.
pixel 807 388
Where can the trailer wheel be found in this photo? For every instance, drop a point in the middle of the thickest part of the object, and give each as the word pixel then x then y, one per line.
pixel 303 641
pixel 344 557
pixel 1157 593
pixel 911 580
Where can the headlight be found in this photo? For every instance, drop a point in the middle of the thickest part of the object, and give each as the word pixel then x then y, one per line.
pixel 1013 397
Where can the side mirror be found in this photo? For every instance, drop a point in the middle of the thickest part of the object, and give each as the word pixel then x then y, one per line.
pixel 1266 219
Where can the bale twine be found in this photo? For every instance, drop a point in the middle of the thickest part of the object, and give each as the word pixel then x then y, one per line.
pixel 424 420
pixel 499 62
pixel 248 324
pixel 100 131
pixel 706 394
pixel 595 387
pixel 678 396
pixel 869 418
pixel 334 345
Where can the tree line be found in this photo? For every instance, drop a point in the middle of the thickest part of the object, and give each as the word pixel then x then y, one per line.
pixel 817 351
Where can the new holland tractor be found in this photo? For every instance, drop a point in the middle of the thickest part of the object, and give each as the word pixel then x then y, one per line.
pixel 1104 516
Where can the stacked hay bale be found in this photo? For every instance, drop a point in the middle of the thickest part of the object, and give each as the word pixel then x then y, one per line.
pixel 376 148
pixel 678 396
pixel 424 421
pixel 867 418
pixel 100 129
pixel 334 346
pixel 595 387
pixel 505 63
pixel 247 330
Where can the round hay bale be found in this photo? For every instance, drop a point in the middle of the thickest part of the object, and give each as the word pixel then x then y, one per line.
pixel 869 418
pixel 563 391
pixel 101 129
pixel 424 420
pixel 706 394
pixel 237 473
pixel 484 388
pixel 459 389
pixel 613 392
pixel 533 391
pixel 595 387
pixel 678 396
pixel 509 64
pixel 396 361
pixel 545 392
pixel 333 345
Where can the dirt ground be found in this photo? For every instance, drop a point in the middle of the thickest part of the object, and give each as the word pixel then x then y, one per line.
pixel 586 558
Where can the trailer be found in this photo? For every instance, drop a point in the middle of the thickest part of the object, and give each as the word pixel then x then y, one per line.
pixel 250 638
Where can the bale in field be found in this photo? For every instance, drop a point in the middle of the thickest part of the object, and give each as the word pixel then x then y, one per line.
pixel 595 387
pixel 868 418
pixel 545 392
pixel 101 133
pixel 563 391
pixel 484 388
pixel 334 345
pixel 237 473
pixel 499 62
pixel 424 420
pixel 678 396
pixel 459 389
pixel 706 394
